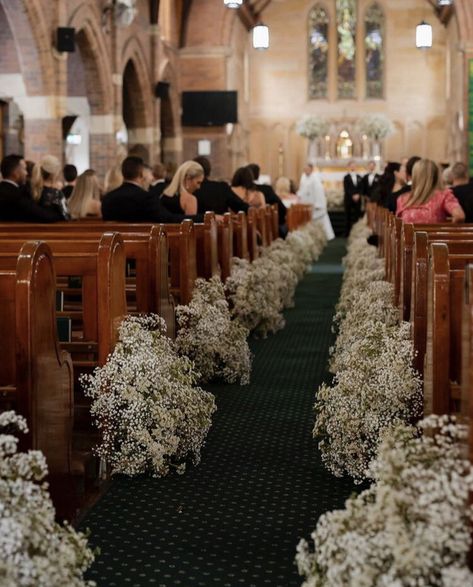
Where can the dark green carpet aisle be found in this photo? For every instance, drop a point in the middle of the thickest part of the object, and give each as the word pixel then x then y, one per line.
pixel 236 519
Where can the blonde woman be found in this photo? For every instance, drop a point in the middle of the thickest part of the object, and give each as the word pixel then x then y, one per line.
pixel 283 190
pixel 113 179
pixel 85 199
pixel 178 196
pixel 44 182
pixel 427 203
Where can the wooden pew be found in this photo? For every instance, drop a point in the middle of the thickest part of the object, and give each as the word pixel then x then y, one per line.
pixel 253 245
pixel 240 236
pixel 419 286
pixel 443 368
pixel 225 246
pixel 262 226
pixel 206 236
pixel 36 377
pixel 275 219
pixel 101 266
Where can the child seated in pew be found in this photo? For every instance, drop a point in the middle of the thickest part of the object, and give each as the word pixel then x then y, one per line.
pixel 85 199
pixel 427 203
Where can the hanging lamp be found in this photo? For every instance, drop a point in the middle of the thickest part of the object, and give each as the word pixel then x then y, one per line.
pixel 261 36
pixel 423 35
pixel 233 3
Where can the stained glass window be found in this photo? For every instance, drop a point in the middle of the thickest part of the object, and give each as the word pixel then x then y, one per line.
pixel 374 51
pixel 318 52
pixel 346 28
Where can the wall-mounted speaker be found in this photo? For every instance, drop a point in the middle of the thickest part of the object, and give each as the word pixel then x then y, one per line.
pixel 66 40
pixel 161 90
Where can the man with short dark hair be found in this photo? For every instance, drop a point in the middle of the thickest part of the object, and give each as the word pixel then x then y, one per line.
pixel 132 203
pixel 15 203
pixel 463 189
pixel 70 176
pixel 370 180
pixel 216 196
pixel 352 188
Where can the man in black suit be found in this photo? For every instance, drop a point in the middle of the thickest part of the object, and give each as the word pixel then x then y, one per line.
pixel 216 196
pixel 353 189
pixel 15 203
pixel 70 177
pixel 463 189
pixel 131 203
pixel 370 180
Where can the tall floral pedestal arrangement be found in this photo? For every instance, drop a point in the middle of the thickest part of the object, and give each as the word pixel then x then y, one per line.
pixel 375 127
pixel 313 128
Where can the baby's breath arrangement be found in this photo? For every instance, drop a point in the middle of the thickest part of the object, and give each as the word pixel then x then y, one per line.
pixel 210 338
pixel 259 291
pixel 151 415
pixel 35 551
pixel 374 386
pixel 412 528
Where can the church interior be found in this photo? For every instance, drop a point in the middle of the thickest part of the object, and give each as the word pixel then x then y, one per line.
pixel 236 293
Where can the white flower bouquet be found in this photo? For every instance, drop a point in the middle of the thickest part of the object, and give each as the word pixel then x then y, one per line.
pixel 145 402
pixel 312 127
pixel 412 527
pixel 35 551
pixel 210 338
pixel 375 126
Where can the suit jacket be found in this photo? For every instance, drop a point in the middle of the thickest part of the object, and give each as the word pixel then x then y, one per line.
pixel 218 197
pixel 367 189
pixel 131 203
pixel 158 188
pixel 350 189
pixel 17 206
pixel 464 194
pixel 272 198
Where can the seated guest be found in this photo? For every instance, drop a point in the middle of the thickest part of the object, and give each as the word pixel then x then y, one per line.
pixel 159 182
pixel 178 197
pixel 216 196
pixel 44 185
pixel 15 203
pixel 131 203
pixel 269 194
pixel 463 189
pixel 147 177
pixel 113 179
pixel 284 192
pixel 70 176
pixel 394 180
pixel 426 203
pixel 244 187
pixel 85 199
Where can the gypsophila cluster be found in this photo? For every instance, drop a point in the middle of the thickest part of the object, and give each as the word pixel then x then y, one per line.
pixel 259 291
pixel 412 528
pixel 35 551
pixel 210 338
pixel 151 415
pixel 312 127
pixel 375 126
pixel 374 385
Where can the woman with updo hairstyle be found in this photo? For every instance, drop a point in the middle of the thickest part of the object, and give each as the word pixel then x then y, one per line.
pixel 85 198
pixel 44 185
pixel 178 196
pixel 427 203
pixel 243 185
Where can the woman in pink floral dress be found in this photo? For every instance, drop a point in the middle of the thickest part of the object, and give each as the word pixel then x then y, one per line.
pixel 426 203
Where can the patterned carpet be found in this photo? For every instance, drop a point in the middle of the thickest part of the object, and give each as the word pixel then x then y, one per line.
pixel 236 519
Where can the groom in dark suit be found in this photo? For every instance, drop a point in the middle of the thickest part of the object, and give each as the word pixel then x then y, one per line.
pixel 353 190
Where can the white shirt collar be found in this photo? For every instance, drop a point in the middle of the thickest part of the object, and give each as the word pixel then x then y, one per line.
pixel 12 182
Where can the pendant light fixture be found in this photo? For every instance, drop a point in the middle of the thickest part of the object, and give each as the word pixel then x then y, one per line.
pixel 233 3
pixel 423 35
pixel 445 2
pixel 261 36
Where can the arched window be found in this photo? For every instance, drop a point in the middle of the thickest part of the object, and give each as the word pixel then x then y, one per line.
pixel 318 52
pixel 374 51
pixel 346 29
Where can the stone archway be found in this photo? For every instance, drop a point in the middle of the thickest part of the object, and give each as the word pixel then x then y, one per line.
pixel 90 72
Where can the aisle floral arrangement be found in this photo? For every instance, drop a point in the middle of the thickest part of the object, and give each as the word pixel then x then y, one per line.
pixel 145 402
pixel 35 551
pixel 374 386
pixel 208 336
pixel 412 527
pixel 259 307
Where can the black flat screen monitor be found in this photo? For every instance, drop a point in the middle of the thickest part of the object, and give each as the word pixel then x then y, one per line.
pixel 209 108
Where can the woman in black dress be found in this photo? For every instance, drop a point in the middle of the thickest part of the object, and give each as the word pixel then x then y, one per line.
pixel 178 196
pixel 44 185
